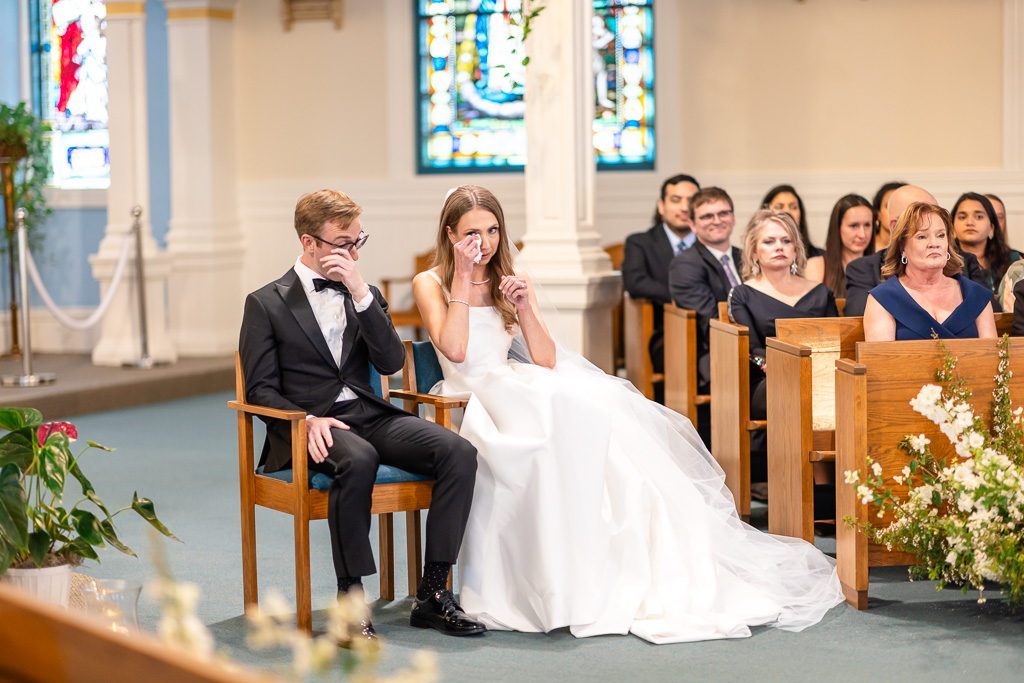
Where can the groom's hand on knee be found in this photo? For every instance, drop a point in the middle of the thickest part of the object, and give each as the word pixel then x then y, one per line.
pixel 318 436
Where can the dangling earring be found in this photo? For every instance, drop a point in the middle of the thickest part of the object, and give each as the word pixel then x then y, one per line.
pixel 793 268
pixel 903 259
pixel 754 269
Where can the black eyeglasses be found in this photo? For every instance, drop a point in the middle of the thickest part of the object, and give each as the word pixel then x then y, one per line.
pixel 357 245
pixel 721 215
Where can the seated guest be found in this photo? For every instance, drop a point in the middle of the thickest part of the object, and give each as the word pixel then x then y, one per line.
pixel 924 293
pixel 773 288
pixel 1000 208
pixel 785 198
pixel 864 273
pixel 850 236
pixel 881 206
pixel 1006 296
pixel 1018 309
pixel 978 231
pixel 647 255
pixel 703 275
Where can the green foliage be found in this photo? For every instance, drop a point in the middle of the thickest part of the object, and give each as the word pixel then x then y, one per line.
pixel 23 139
pixel 36 464
pixel 963 520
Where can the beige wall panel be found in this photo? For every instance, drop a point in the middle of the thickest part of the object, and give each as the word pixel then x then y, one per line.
pixel 840 85
pixel 311 101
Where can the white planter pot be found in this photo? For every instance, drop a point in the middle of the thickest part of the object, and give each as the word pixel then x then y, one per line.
pixel 50 584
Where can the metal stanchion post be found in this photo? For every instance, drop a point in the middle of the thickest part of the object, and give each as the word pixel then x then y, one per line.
pixel 27 378
pixel 145 362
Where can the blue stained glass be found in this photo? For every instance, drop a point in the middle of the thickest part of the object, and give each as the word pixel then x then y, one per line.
pixel 471 93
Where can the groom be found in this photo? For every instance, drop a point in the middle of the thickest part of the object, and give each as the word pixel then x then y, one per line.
pixel 307 342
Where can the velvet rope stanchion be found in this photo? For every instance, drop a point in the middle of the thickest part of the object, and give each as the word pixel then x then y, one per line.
pixel 27 377
pixel 145 362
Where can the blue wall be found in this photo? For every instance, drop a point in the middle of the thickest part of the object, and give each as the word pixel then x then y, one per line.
pixel 71 235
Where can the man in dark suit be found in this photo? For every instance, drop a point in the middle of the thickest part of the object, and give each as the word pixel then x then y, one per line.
pixel 306 343
pixel 703 275
pixel 647 255
pixel 865 273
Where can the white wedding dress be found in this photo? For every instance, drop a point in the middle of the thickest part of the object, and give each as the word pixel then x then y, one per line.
pixel 602 511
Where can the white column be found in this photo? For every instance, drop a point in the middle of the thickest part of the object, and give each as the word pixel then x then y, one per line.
pixel 129 186
pixel 205 240
pixel 560 244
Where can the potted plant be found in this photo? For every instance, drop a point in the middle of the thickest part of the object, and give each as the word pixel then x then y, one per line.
pixel 24 137
pixel 39 536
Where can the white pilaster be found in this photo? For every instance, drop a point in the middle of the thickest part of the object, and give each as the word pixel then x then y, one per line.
pixel 129 187
pixel 561 244
pixel 205 240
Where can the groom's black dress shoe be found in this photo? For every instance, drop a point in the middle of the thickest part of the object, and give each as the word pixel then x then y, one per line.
pixel 441 612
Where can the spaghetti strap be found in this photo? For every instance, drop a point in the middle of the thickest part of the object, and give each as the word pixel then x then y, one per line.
pixel 444 290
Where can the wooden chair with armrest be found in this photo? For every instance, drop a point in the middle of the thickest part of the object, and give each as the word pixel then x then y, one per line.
pixel 410 316
pixel 303 495
pixel 638 326
pixel 802 412
pixel 875 390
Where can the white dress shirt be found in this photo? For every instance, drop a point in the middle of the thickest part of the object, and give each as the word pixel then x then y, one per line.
pixel 329 310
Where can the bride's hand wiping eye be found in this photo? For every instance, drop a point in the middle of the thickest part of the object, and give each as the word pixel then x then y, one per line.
pixel 516 289
pixel 467 253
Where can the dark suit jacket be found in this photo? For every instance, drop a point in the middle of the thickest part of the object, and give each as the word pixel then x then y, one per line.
pixel 288 365
pixel 1018 309
pixel 697 281
pixel 645 262
pixel 865 273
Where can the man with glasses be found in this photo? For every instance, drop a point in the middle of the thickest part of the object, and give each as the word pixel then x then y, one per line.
pixel 647 255
pixel 702 276
pixel 307 342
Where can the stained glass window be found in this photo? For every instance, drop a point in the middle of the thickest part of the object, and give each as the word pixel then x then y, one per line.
pixel 470 85
pixel 70 88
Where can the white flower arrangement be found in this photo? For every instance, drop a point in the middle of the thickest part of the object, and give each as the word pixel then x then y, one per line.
pixel 963 520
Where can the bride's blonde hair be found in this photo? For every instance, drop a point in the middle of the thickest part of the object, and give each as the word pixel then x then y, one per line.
pixel 459 202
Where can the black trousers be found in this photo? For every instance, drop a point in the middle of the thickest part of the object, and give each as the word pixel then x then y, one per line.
pixel 377 436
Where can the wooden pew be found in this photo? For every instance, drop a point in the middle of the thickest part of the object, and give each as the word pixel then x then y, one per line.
pixel 731 425
pixel 802 412
pixel 46 644
pixel 681 362
pixel 615 254
pixel 638 325
pixel 875 391
pixel 730 407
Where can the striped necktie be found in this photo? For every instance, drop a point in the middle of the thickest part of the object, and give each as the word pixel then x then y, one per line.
pixel 728 270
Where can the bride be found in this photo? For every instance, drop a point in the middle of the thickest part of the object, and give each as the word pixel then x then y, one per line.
pixel 594 508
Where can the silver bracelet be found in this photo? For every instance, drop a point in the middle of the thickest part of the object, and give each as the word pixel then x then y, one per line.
pixel 458 301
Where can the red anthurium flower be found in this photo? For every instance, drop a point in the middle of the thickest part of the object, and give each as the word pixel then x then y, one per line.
pixel 44 432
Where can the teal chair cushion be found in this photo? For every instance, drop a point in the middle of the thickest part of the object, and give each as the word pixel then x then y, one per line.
pixel 428 370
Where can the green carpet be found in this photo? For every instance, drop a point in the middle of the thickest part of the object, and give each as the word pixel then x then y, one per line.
pixel 183 455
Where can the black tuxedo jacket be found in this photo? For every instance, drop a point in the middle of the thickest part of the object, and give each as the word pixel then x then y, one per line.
pixel 288 365
pixel 697 281
pixel 865 273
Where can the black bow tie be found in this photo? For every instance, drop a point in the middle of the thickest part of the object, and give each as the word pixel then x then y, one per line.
pixel 320 284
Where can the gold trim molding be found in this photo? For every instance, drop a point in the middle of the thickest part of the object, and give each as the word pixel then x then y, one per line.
pixel 201 13
pixel 121 8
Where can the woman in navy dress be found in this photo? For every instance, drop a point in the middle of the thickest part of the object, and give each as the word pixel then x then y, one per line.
pixel 924 293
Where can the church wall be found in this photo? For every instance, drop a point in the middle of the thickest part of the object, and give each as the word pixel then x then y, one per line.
pixel 832 96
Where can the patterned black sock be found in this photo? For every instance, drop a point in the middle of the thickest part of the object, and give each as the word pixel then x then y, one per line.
pixel 345 583
pixel 435 578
